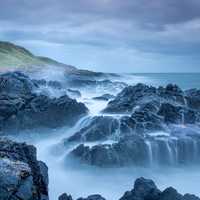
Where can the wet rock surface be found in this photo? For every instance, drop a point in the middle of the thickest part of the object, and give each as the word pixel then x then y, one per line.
pixel 144 189
pixel 104 97
pixel 138 151
pixel 80 81
pixel 22 108
pixel 98 128
pixel 22 176
pixel 145 110
pixel 141 94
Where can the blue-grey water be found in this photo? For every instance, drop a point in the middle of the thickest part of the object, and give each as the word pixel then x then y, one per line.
pixel 112 183
pixel 183 80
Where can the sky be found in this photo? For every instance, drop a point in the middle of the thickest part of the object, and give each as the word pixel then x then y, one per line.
pixel 108 35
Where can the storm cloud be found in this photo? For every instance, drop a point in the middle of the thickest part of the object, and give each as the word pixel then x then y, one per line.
pixel 107 35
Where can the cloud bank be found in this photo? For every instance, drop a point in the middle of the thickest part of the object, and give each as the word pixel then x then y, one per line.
pixel 108 35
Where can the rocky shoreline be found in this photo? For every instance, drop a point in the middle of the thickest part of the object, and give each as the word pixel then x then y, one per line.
pixel 23 177
pixel 127 121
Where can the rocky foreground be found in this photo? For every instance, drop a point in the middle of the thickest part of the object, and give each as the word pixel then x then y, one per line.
pixel 144 189
pixel 23 177
pixel 24 106
pixel 128 122
pixel 135 121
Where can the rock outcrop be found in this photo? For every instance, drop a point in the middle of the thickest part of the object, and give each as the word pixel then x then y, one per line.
pixel 21 108
pixel 145 189
pixel 22 176
pixel 91 197
pixel 140 151
pixel 145 110
pixel 104 97
pixel 98 128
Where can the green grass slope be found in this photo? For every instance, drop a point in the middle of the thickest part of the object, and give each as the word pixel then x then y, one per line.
pixel 13 57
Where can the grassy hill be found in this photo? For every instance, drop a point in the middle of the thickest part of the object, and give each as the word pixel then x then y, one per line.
pixel 13 56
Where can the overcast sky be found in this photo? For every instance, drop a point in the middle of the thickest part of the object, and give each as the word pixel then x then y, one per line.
pixel 108 35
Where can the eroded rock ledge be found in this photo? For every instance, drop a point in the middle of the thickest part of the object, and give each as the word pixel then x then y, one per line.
pixel 22 176
pixel 144 189
pixel 22 107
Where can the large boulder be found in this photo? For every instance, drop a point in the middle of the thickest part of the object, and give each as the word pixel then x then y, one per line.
pixel 140 151
pixel 23 107
pixel 22 176
pixel 141 94
pixel 91 197
pixel 38 111
pixel 16 83
pixel 98 128
pixel 64 196
pixel 132 151
pixel 145 189
pixel 193 98
pixel 141 122
pixel 129 98
pixel 104 97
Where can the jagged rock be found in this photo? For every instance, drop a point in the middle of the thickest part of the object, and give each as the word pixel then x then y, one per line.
pixel 141 94
pixel 93 197
pixel 80 81
pixel 104 97
pixel 39 82
pixel 171 113
pixel 55 84
pixel 139 151
pixel 21 175
pixel 39 111
pixel 16 83
pixel 74 93
pixel 193 98
pixel 21 108
pixel 65 197
pixel 99 128
pixel 125 152
pixel 145 189
pixel 130 97
pixel 141 122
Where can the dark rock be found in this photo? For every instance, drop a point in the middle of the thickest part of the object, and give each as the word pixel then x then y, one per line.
pixel 146 121
pixel 190 197
pixel 172 93
pixel 193 98
pixel 80 81
pixel 141 94
pixel 21 175
pixel 55 84
pixel 16 83
pixel 93 197
pixel 73 93
pixel 132 151
pixel 39 82
pixel 22 108
pixel 140 151
pixel 99 128
pixel 145 189
pixel 105 97
pixel 171 113
pixel 38 111
pixel 65 197
pixel 170 193
pixel 126 100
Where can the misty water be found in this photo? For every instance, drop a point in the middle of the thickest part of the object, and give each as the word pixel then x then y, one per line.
pixel 83 180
